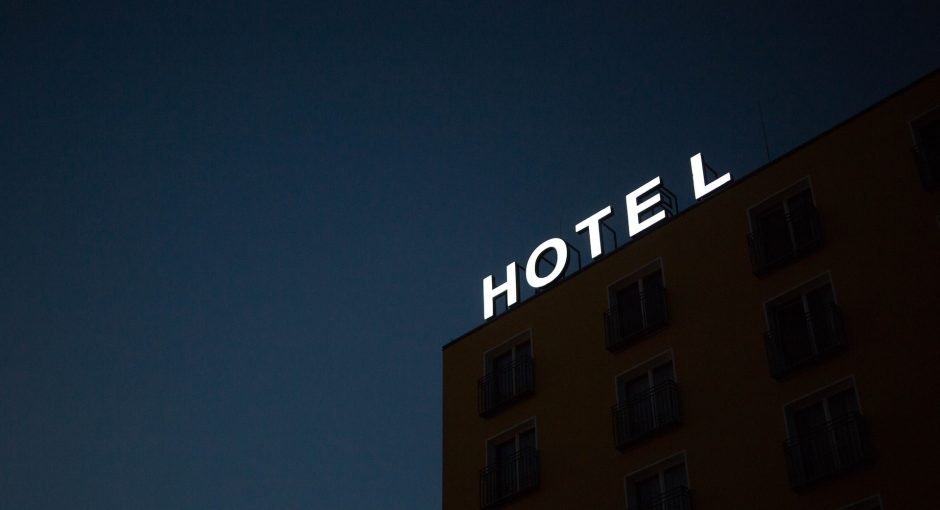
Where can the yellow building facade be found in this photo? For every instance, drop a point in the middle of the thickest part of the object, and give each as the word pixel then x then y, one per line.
pixel 775 346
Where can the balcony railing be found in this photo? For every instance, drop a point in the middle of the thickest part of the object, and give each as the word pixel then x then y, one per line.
pixel 827 450
pixel 501 387
pixel 928 165
pixel 517 475
pixel 646 413
pixel 653 315
pixel 790 346
pixel 672 499
pixel 772 248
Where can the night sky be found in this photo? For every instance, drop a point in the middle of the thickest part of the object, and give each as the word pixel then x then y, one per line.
pixel 233 238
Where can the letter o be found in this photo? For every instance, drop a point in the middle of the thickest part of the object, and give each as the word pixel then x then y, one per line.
pixel 561 249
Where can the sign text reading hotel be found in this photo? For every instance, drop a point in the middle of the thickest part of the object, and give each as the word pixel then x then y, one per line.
pixel 635 225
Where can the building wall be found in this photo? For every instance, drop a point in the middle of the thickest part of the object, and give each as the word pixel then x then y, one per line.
pixel 881 249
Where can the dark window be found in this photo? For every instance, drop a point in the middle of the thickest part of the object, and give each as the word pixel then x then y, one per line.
pixel 638 309
pixel 648 403
pixel 666 489
pixel 872 503
pixel 927 150
pixel 512 468
pixel 804 328
pixel 510 375
pixel 783 230
pixel 827 437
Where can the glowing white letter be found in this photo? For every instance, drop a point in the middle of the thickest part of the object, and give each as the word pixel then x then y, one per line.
pixel 510 288
pixel 698 178
pixel 561 262
pixel 635 226
pixel 593 224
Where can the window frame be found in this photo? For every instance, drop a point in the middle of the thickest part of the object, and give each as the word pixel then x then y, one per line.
pixel 511 433
pixel 782 197
pixel 636 371
pixel 613 290
pixel 929 176
pixel 646 370
pixel 870 503
pixel 822 394
pixel 657 467
pixel 802 290
pixel 489 370
pixel 490 459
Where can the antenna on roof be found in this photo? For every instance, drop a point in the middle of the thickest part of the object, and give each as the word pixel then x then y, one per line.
pixel 763 130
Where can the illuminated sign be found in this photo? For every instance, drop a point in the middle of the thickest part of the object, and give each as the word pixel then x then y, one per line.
pixel 645 208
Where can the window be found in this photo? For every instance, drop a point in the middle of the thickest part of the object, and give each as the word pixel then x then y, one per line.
pixel 509 375
pixel 661 487
pixel 927 148
pixel 783 228
pixel 648 401
pixel 805 327
pixel 872 503
pixel 826 435
pixel 512 465
pixel 638 307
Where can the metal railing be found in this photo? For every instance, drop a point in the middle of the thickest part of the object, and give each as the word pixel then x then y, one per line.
pixel 827 450
pixel 505 480
pixel 928 165
pixel 653 315
pixel 502 386
pixel 815 337
pixel 802 235
pixel 672 499
pixel 646 413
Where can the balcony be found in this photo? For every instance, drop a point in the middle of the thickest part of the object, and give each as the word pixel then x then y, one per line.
pixel 646 414
pixel 672 499
pixel 623 326
pixel 501 387
pixel 799 234
pixel 805 342
pixel 503 482
pixel 827 450
pixel 928 165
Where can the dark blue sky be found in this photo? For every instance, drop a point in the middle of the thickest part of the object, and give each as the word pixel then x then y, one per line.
pixel 234 238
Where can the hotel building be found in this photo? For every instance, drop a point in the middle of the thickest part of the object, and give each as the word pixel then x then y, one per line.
pixel 774 346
